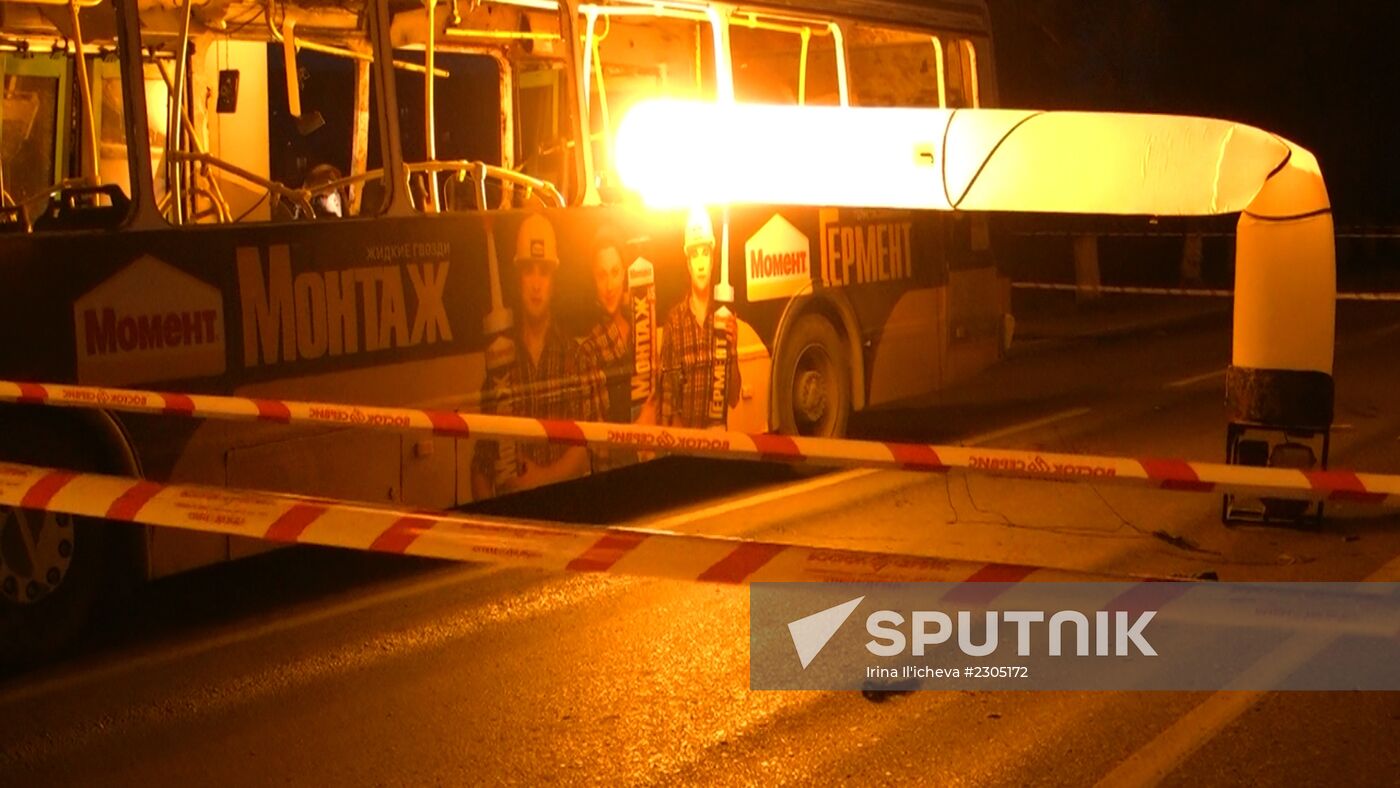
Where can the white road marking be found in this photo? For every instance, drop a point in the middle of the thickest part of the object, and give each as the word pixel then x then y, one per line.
pixel 241 634
pixel 1194 379
pixel 1025 426
pixel 768 496
pixel 1160 757
pixel 676 521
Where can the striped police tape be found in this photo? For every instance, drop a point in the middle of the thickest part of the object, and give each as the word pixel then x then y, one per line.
pixel 1167 474
pixel 1198 292
pixel 295 519
pixel 650 553
pixel 1381 234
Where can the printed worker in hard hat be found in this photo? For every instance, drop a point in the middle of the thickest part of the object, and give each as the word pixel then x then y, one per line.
pixel 607 348
pixel 548 380
pixel 688 339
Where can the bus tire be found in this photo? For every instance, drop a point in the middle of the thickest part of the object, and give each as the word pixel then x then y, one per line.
pixel 54 568
pixel 812 382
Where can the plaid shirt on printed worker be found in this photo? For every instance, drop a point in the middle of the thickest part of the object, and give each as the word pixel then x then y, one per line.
pixel 687 368
pixel 607 351
pixel 559 386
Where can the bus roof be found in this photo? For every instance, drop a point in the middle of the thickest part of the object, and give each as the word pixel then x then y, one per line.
pixel 959 15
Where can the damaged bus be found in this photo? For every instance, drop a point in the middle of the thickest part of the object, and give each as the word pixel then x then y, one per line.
pixel 398 203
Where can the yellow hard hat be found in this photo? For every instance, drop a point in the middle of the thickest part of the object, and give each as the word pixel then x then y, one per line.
pixel 698 229
pixel 535 242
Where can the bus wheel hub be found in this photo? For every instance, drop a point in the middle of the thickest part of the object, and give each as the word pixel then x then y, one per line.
pixel 811 395
pixel 36 550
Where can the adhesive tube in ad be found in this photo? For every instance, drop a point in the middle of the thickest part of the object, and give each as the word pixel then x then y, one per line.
pixel 725 323
pixel 719 384
pixel 641 288
pixel 499 399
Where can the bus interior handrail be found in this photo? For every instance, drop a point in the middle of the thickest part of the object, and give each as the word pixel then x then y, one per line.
pixel 464 168
pixel 302 197
pixel 545 191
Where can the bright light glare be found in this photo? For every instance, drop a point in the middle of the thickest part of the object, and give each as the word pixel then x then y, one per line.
pixel 677 153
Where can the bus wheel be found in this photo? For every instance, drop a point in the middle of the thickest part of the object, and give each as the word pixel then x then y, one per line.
pixel 50 578
pixel 813 383
pixel 54 567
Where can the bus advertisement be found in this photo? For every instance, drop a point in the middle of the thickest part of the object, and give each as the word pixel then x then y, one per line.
pixel 393 203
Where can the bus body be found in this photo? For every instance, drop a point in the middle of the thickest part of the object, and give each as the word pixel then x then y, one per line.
pixel 394 203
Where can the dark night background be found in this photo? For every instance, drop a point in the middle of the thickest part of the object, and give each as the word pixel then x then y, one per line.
pixel 1321 74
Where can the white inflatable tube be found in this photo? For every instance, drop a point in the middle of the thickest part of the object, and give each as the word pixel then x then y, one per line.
pixel 678 154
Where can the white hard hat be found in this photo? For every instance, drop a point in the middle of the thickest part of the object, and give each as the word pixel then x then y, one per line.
pixel 698 229
pixel 535 242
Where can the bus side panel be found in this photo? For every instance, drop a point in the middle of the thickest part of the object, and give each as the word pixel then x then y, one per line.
pixel 393 312
pixel 388 312
pixel 99 308
pixel 887 265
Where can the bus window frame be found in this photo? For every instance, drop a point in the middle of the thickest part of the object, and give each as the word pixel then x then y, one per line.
pixel 565 12
pixel 144 211
pixel 548 79
pixel 665 9
pixel 140 208
pixel 971 49
pixel 46 66
pixel 942 70
pixel 937 40
pixel 100 72
pixel 396 200
pixel 761 20
pixel 537 79
pixel 143 214
pixel 505 85
pixel 590 63
pixel 967 71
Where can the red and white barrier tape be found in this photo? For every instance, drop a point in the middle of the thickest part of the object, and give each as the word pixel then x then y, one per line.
pixel 288 518
pixel 1383 235
pixel 626 551
pixel 1167 474
pixel 1198 292
pixel 1125 290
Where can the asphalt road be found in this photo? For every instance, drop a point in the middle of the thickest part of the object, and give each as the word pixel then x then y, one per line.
pixel 327 668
